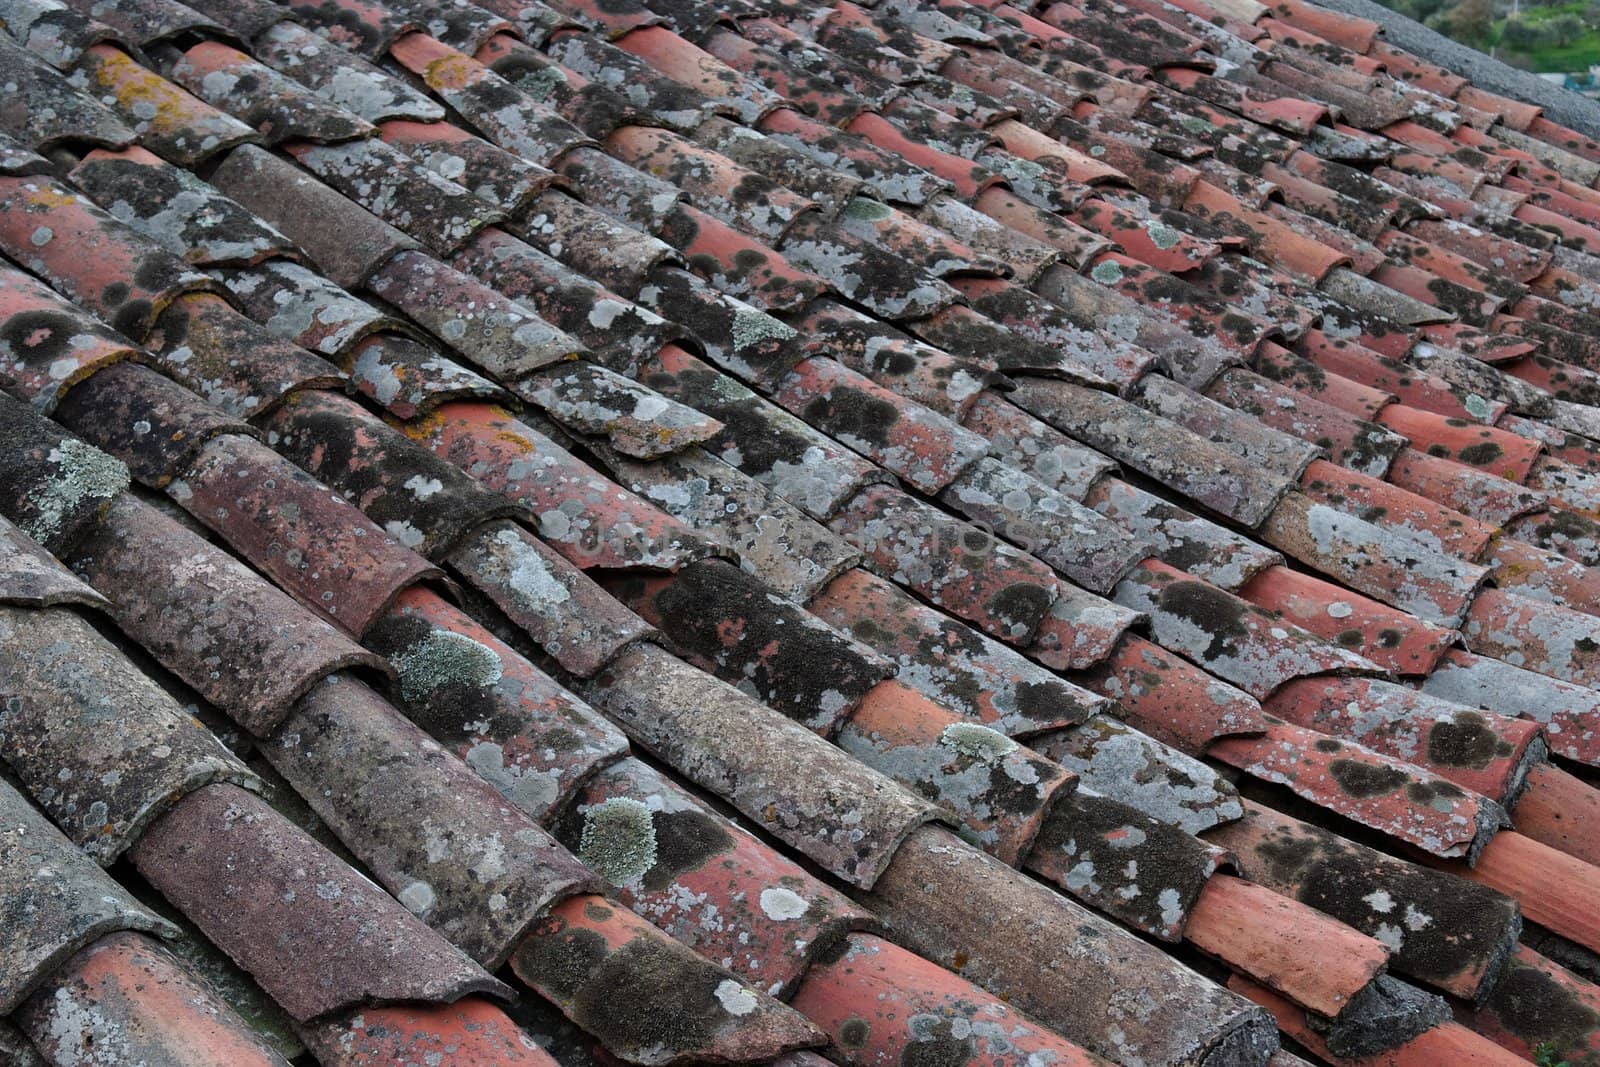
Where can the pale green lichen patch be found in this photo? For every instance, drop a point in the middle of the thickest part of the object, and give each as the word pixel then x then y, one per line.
pixel 83 472
pixel 752 327
pixel 1107 273
pixel 977 742
pixel 618 841
pixel 444 658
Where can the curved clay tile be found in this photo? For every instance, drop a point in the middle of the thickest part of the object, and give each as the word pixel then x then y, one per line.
pixel 502 178
pixel 236 868
pixel 1446 932
pixel 101 745
pixel 513 724
pixel 549 597
pixel 1394 640
pixel 323 551
pixel 346 243
pixel 1172 700
pixel 169 122
pixel 787 780
pixel 151 423
pixel 102 263
pixel 880 1004
pixel 53 486
pixel 32 578
pixel 194 607
pixel 963 670
pixel 53 344
pixel 56 901
pixel 598 963
pixel 128 999
pixel 731 623
pixel 436 835
pixel 704 880
pixel 926 896
pixel 423 501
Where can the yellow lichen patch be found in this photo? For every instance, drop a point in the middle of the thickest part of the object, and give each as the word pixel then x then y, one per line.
pixel 451 72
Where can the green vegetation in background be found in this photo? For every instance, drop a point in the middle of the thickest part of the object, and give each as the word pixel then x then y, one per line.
pixel 1561 36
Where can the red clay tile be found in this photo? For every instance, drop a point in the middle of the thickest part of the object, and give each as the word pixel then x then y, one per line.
pixel 113 271
pixel 54 345
pixel 1316 961
pixel 60 901
pixel 1484 752
pixel 1468 489
pixel 341 77
pixel 787 780
pixel 514 725
pixel 126 998
pixel 1172 700
pixel 1400 800
pixel 588 518
pixel 32 578
pixel 472 1032
pixel 103 747
pixel 879 1004
pixel 728 896
pixel 1260 652
pixel 53 486
pixel 235 867
pixel 1447 932
pixel 49 112
pixel 1377 559
pixel 960 668
pixel 276 106
pixel 435 834
pixel 1120 860
pixel 1407 513
pixel 1448 1042
pixel 918 444
pixel 599 964
pixel 1390 638
pixel 927 895
pixel 502 178
pixel 1484 447
pixel 191 601
pixel 171 123
pixel 1555 890
pixel 324 552
pixel 956 566
pixel 1540 1005
pixel 1000 793
pixel 1565 710
pixel 1529 633
pixel 510 118
pixel 1177 458
pixel 1559 810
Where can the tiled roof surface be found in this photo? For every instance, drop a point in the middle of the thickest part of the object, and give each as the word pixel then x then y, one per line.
pixel 927 532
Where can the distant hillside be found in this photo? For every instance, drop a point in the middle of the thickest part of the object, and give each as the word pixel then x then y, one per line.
pixel 1561 36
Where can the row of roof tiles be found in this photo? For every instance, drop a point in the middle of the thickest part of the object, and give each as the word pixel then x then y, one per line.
pixel 951 383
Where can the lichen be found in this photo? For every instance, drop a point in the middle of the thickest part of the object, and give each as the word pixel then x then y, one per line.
pixel 977 742
pixel 752 327
pixel 618 840
pixel 444 658
pixel 83 472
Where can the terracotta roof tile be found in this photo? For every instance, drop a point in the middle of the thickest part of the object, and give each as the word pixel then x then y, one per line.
pixel 601 964
pixel 726 304
pixel 235 866
pixel 58 900
pixel 126 996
